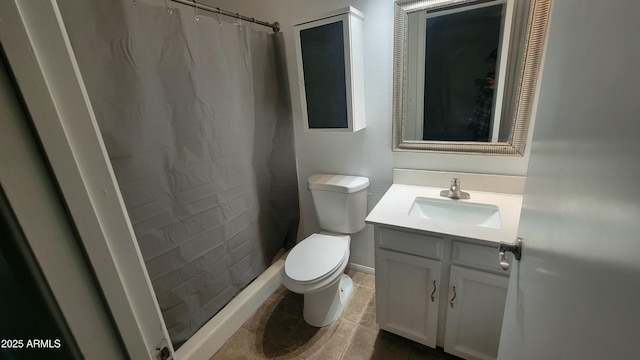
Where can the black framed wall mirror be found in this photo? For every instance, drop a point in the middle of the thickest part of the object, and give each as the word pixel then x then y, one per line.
pixel 465 73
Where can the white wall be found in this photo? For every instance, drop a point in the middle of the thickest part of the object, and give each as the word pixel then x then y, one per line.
pixel 368 152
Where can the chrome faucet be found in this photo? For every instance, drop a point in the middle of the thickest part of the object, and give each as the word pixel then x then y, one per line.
pixel 454 191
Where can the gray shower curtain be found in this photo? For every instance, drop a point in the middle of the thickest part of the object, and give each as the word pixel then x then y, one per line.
pixel 196 120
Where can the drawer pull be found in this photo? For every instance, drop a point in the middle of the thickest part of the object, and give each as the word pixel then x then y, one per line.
pixel 454 297
pixel 433 293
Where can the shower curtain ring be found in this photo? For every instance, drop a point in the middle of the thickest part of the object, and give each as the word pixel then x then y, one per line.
pixel 168 4
pixel 195 5
pixel 239 19
pixel 219 20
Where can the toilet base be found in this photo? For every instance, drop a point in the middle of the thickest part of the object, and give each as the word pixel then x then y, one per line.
pixel 323 307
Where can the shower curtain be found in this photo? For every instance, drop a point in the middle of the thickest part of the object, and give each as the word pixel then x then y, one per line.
pixel 196 120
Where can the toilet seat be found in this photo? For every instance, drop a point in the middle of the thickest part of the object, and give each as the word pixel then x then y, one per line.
pixel 315 258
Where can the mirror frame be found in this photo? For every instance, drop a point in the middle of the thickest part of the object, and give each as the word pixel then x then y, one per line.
pixel 536 30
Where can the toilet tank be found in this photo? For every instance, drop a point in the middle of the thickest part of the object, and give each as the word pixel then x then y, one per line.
pixel 340 201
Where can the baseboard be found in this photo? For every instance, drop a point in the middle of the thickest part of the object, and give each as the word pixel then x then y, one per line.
pixel 362 268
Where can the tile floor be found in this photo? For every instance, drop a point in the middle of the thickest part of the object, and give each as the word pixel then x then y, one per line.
pixel 278 331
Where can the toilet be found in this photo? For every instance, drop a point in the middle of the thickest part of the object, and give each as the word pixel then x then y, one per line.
pixel 315 266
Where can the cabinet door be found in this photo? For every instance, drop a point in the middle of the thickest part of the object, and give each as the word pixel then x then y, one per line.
pixel 474 313
pixel 322 53
pixel 329 57
pixel 407 291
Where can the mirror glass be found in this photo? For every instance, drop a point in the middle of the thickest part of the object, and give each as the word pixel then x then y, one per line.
pixel 465 74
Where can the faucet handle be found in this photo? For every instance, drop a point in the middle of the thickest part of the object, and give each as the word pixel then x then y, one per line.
pixel 454 191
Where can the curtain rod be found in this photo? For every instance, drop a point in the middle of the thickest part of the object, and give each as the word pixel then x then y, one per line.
pixel 275 26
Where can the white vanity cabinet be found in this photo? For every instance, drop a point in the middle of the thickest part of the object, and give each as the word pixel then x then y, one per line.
pixel 440 290
pixel 477 296
pixel 407 295
pixel 474 313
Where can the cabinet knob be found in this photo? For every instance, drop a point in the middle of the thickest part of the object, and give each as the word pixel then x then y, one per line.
pixel 515 248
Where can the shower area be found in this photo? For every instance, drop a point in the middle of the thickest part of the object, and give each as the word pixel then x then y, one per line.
pixel 194 112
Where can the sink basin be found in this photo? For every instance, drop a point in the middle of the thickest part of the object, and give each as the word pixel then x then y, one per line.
pixel 456 211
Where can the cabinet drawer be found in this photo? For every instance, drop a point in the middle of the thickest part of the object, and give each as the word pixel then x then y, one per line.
pixel 477 256
pixel 411 243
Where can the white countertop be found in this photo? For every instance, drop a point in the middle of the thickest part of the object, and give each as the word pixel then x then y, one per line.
pixel 393 210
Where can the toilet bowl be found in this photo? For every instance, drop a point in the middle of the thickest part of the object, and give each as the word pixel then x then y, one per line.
pixel 315 266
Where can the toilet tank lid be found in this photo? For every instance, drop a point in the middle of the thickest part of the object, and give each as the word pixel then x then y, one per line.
pixel 338 183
